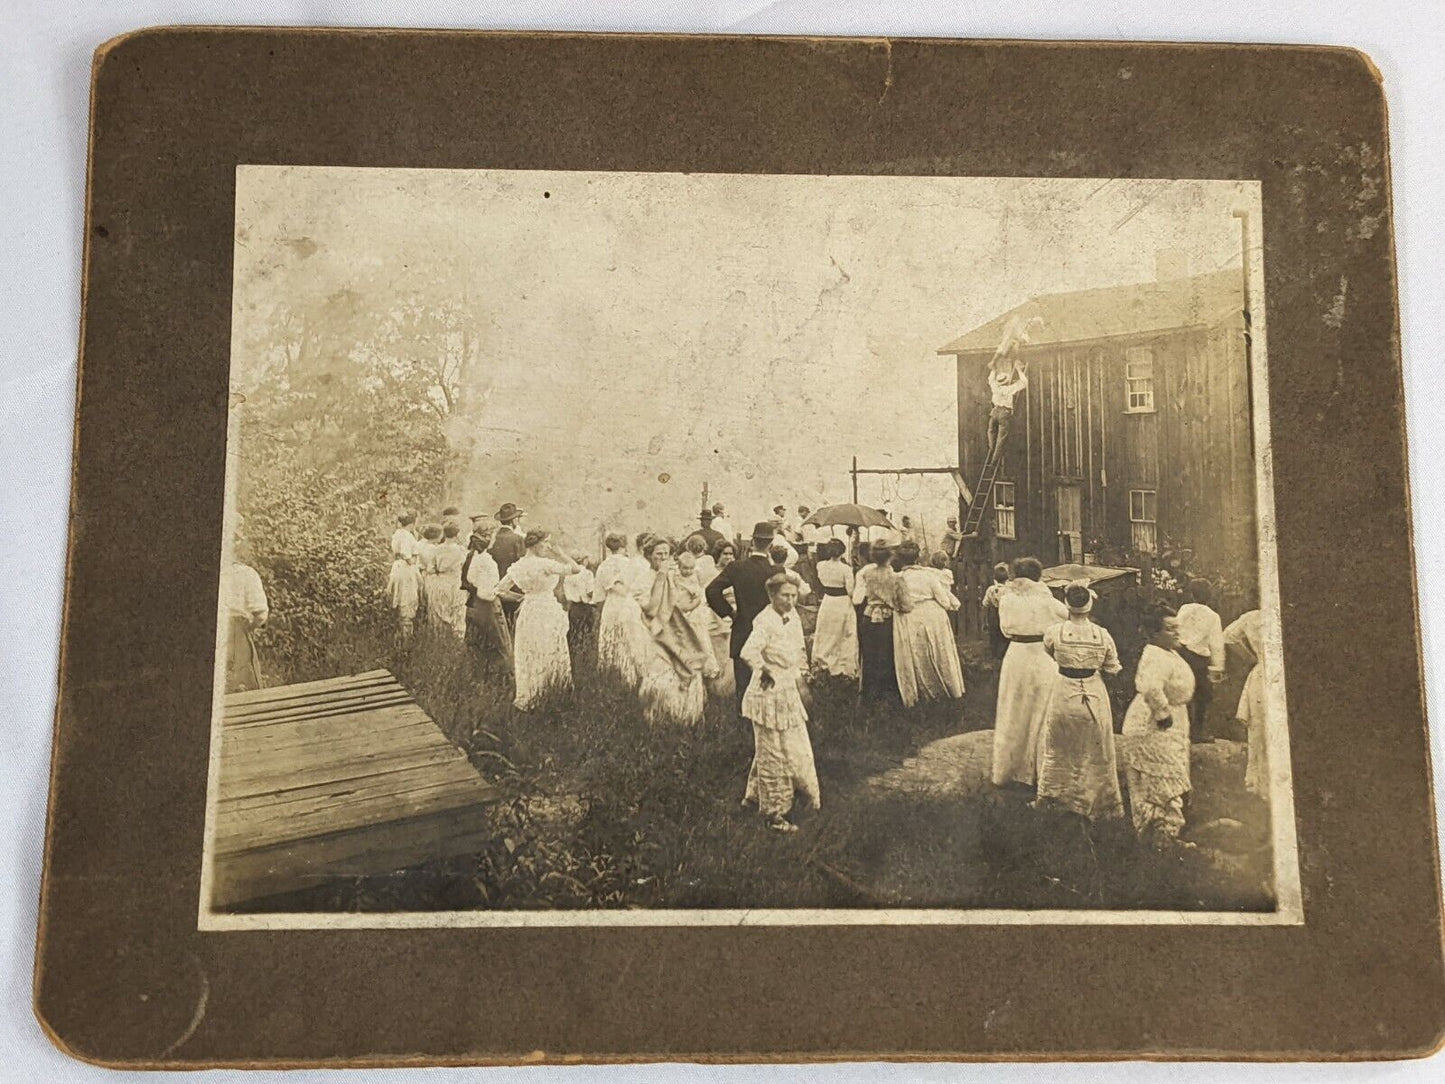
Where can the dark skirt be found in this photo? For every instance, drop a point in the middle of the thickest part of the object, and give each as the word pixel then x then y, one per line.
pixel 875 652
pixel 488 632
pixel 243 665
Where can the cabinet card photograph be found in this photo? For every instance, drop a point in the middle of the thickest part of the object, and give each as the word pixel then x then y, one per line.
pixel 693 549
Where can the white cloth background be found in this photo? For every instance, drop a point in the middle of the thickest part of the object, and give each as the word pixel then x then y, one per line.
pixel 45 52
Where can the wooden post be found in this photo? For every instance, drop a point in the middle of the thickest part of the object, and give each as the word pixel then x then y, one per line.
pixel 855 479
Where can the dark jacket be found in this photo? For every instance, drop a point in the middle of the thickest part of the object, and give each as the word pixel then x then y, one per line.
pixel 748 577
pixel 507 547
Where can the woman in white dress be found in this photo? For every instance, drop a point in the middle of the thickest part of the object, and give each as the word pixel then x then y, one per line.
pixel 446 600
pixel 1246 635
pixel 835 640
pixel 782 752
pixel 1155 742
pixel 673 689
pixel 1077 769
pixel 539 643
pixel 1026 680
pixel 426 547
pixel 403 585
pixel 925 652
pixel 622 638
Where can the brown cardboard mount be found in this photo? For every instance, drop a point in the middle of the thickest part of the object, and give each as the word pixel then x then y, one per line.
pixel 124 978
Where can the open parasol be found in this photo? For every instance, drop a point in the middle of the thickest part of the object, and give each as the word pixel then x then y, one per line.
pixel 848 515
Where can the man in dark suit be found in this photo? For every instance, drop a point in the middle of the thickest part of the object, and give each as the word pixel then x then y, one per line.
pixel 507 547
pixel 749 579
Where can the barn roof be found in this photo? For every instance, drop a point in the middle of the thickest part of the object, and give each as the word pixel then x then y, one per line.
pixel 1134 309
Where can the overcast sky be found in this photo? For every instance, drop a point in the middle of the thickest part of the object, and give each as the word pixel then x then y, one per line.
pixel 647 333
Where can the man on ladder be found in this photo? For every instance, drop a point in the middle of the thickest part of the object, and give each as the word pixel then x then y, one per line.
pixel 1006 378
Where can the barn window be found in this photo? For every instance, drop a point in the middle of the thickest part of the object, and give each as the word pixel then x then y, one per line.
pixel 1005 526
pixel 1139 380
pixel 1144 520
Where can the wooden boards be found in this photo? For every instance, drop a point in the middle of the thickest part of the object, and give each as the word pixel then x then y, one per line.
pixel 336 778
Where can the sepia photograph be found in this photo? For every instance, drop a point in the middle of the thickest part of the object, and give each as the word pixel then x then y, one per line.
pixel 703 549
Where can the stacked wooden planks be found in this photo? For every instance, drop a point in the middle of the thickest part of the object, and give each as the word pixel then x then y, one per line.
pixel 336 778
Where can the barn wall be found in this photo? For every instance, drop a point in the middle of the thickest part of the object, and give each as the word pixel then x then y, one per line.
pixel 1194 450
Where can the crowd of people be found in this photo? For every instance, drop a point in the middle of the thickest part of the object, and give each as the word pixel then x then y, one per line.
pixel 762 618
pixel 1054 728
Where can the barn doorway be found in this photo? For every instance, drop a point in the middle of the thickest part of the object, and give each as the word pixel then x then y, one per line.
pixel 1071 518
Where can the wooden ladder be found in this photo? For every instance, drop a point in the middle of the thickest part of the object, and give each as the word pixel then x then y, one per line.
pixel 982 494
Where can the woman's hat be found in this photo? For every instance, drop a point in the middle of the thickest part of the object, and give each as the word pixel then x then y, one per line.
pixel 1079 597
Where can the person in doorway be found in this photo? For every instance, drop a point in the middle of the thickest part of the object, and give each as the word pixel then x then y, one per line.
pixel 748 579
pixel 247 613
pixel 1155 739
pixel 1201 644
pixel 1027 677
pixel 1077 769
pixel 488 634
pixel 777 660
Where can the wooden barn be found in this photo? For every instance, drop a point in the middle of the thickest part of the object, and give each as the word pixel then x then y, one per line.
pixel 1133 440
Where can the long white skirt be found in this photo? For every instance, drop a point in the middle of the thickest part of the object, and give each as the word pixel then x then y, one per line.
pixel 703 620
pixel 1251 713
pixel 1077 766
pixel 1158 766
pixel 925 654
pixel 835 640
pixel 623 643
pixel 1025 689
pixel 446 603
pixel 669 699
pixel 539 647
pixel 782 766
pixel 403 588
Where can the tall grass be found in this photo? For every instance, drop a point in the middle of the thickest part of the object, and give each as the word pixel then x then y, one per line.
pixel 601 809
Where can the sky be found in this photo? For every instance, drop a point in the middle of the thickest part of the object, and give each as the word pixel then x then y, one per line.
pixel 645 334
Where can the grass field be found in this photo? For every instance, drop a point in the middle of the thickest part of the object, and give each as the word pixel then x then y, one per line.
pixel 603 810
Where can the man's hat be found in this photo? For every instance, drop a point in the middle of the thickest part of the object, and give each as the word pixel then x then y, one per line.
pixel 763 529
pixel 706 514
pixel 508 511
pixel 477 517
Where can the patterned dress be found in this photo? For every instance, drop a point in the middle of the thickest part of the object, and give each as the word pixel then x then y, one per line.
pixel 1077 768
pixel 539 645
pixel 782 752
pixel 1157 759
